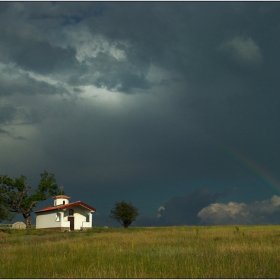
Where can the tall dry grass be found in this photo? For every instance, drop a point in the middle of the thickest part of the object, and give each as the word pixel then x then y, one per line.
pixel 171 252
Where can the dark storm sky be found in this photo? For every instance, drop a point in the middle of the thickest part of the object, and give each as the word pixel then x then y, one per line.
pixel 172 104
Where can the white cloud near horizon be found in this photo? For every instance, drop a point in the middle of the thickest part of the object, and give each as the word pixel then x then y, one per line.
pixel 266 211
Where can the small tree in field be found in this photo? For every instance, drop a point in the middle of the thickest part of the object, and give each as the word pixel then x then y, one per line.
pixel 124 213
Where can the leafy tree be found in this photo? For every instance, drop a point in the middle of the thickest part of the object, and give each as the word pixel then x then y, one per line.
pixel 4 211
pixel 124 213
pixel 18 198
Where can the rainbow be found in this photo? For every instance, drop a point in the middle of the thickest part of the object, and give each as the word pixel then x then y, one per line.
pixel 254 168
pixel 250 165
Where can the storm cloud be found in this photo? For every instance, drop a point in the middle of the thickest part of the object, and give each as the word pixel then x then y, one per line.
pixel 182 210
pixel 143 101
pixel 185 209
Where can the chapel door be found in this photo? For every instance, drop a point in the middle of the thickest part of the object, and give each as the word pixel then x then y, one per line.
pixel 71 219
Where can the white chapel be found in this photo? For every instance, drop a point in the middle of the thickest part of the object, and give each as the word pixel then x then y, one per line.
pixel 65 215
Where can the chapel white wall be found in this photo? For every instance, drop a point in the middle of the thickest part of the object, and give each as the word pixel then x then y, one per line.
pixel 47 220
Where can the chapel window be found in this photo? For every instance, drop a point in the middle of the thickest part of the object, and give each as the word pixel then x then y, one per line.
pixel 57 217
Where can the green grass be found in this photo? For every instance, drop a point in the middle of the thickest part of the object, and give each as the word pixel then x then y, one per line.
pixel 169 252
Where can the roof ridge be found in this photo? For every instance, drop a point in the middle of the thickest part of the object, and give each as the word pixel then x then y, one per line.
pixel 63 206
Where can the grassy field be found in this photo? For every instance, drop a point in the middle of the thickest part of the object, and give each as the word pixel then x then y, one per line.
pixel 169 252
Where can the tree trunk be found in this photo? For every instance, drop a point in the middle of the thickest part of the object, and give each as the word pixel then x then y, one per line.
pixel 27 218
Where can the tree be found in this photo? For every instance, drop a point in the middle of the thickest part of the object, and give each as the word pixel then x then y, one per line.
pixel 18 199
pixel 124 213
pixel 4 211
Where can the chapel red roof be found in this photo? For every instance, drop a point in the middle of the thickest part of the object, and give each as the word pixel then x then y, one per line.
pixel 61 196
pixel 65 206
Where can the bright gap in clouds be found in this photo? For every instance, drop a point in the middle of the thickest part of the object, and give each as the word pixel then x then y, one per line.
pixel 102 95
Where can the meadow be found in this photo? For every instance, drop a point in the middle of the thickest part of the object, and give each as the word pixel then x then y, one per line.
pixel 160 252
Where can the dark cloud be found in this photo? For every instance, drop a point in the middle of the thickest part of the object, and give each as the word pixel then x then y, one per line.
pixel 201 95
pixel 24 84
pixel 7 113
pixel 3 132
pixel 10 135
pixel 183 210
pixel 43 58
